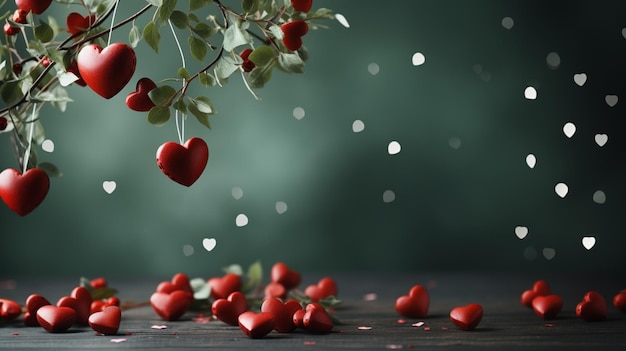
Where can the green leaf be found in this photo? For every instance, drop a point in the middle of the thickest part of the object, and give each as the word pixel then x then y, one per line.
pixel 291 63
pixel 204 30
pixel 152 36
pixel 102 293
pixel 197 4
pixel 183 73
pixel 163 95
pixel 276 32
pixel 49 96
pixel 233 269
pixel 235 35
pixel 155 2
pixel 259 77
pixel 158 115
pixel 179 19
pixel 180 106
pixel 166 9
pixel 50 169
pixel 262 55
pixel 44 32
pixel 254 277
pixel 203 104
pixel 10 91
pixel 198 48
pixel 206 79
pixel 202 117
pixel 250 6
pixel 201 290
pixel 134 37
pixel 224 68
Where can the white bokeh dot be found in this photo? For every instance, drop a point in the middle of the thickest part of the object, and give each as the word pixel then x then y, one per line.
pixel 599 197
pixel 298 113
pixel 237 192
pixel 530 253
pixel 358 126
pixel 530 93
pixel 389 196
pixel 188 250
pixel 281 207
pixel 454 143
pixel 373 68
pixel 241 220
pixel 553 60
pixel 394 148
pixel 507 22
pixel 47 145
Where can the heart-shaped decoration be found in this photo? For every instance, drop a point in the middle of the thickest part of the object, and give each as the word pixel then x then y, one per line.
pixel 293 32
pixel 530 93
pixel 549 253
pixel 540 288
pixel 619 301
pixel 106 322
pixel 418 59
pixel 415 304
pixel 467 317
pixel 228 310
pixel 531 160
pixel 139 99
pixel 36 6
pixel 325 287
pixel 9 309
pixel 33 303
pixel 256 325
pixel 547 307
pixel 83 298
pixel 282 274
pixel 592 307
pixel 274 290
pixel 580 79
pixel 22 193
pixel 183 163
pixel 106 71
pixel 298 316
pixel 76 23
pixel 283 313
pixel 209 244
pixel 56 319
pixel 589 242
pixel 302 5
pixel 180 281
pixel 521 232
pixel 601 139
pixel 611 100
pixel 222 287
pixel 561 189
pixel 316 319
pixel 172 306
pixel 109 186
pixel 569 129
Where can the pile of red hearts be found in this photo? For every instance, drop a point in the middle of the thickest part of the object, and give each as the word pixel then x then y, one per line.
pixel 546 305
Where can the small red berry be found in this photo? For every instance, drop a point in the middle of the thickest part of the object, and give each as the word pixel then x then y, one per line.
pixel 98 283
pixel 3 123
pixel 19 16
pixel 247 65
pixel 17 68
pixel 45 61
pixel 10 30
pixel 302 5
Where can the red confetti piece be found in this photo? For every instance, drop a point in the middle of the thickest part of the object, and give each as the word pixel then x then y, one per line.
pixel 401 321
pixel 370 297
pixel 159 327
pixel 364 328
pixel 117 341
pixel 426 328
pixel 444 328
pixel 201 319
pixel 15 333
pixel 309 343
pixel 393 346
pixel 550 325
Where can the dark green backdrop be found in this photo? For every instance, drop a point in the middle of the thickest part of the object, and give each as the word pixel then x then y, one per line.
pixel 461 182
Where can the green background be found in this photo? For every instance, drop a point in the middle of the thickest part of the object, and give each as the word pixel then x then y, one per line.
pixel 456 205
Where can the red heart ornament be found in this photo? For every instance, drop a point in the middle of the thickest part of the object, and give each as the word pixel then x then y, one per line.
pixel 547 307
pixel 106 322
pixel 22 193
pixel 83 299
pixel 222 287
pixel 297 318
pixel 73 68
pixel 56 319
pixel 33 303
pixel 325 287
pixel 467 317
pixel 172 306
pixel 106 71
pixel 316 319
pixel 619 301
pixel 414 305
pixel 180 281
pixel 283 313
pixel 275 290
pixel 36 6
pixel 9 309
pixel 256 325
pixel 139 99
pixel 183 163
pixel 293 32
pixel 228 310
pixel 76 23
pixel 302 5
pixel 540 288
pixel 592 307
pixel 282 274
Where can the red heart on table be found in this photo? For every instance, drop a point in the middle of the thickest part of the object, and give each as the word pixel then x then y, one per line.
pixel 540 288
pixel 283 313
pixel 56 319
pixel 297 318
pixel 316 319
pixel 106 71
pixel 33 303
pixel 22 193
pixel 106 322
pixel 467 317
pixel 180 281
pixel 547 307
pixel 592 307
pixel 415 304
pixel 324 288
pixel 183 163
pixel 76 23
pixel 619 301
pixel 172 306
pixel 222 287
pixel 83 297
pixel 36 6
pixel 282 274
pixel 9 309
pixel 139 100
pixel 228 310
pixel 274 290
pixel 256 325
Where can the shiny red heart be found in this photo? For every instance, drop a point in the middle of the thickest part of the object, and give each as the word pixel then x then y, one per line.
pixel 293 32
pixel 106 71
pixel 283 313
pixel 222 287
pixel 256 325
pixel 302 5
pixel 139 100
pixel 106 322
pixel 415 304
pixel 36 6
pixel 73 68
pixel 33 303
pixel 180 281
pixel 467 317
pixel 83 297
pixel 316 319
pixel 183 163
pixel 547 307
pixel 56 319
pixel 275 290
pixel 22 193
pixel 228 310
pixel 619 301
pixel 76 23
pixel 297 318
pixel 325 287
pixel 282 274
pixel 540 288
pixel 9 309
pixel 592 307
pixel 172 306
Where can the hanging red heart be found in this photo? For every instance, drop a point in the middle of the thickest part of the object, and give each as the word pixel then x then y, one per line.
pixel 139 100
pixel 183 163
pixel 76 23
pixel 37 6
pixel 106 71
pixel 23 192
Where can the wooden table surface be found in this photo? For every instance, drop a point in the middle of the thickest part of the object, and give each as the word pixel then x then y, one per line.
pixel 369 320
